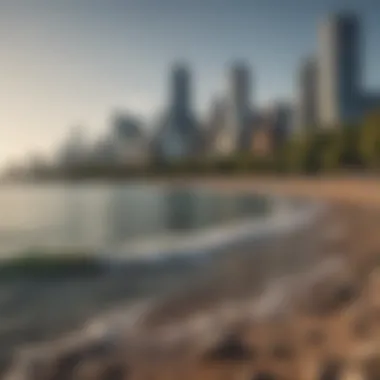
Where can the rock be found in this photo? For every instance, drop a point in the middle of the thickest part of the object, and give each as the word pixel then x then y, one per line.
pixel 328 288
pixel 114 371
pixel 315 337
pixel 88 370
pixel 371 368
pixel 331 370
pixel 64 366
pixel 231 348
pixel 374 288
pixel 326 297
pixel 264 376
pixel 104 369
pixel 362 327
pixel 283 351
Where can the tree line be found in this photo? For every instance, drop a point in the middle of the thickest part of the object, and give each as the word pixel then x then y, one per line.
pixel 319 150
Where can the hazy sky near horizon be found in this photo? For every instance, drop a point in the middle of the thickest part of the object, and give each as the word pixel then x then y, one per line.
pixel 72 62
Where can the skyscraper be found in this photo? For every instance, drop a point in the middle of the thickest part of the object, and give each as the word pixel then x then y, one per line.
pixel 339 70
pixel 129 142
pixel 75 149
pixel 306 113
pixel 180 101
pixel 178 135
pixel 239 97
pixel 281 117
pixel 215 125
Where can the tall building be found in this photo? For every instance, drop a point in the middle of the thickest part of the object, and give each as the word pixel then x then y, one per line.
pixel 370 102
pixel 239 108
pixel 307 106
pixel 130 144
pixel 339 70
pixel 180 94
pixel 178 135
pixel 215 126
pixel 280 117
pixel 74 150
pixel 126 126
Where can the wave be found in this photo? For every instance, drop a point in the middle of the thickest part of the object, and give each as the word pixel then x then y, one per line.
pixel 286 216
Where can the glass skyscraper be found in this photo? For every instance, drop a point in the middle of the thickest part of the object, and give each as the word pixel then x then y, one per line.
pixel 339 70
pixel 238 113
pixel 178 136
pixel 306 116
pixel 180 102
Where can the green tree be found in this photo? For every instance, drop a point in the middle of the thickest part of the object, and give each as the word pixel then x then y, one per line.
pixel 370 140
pixel 305 154
pixel 332 154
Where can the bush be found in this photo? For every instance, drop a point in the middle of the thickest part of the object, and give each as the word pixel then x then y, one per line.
pixel 369 146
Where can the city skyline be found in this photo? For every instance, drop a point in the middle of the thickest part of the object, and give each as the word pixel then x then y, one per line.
pixel 45 97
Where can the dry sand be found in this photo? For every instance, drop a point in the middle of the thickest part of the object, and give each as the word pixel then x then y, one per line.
pixel 353 190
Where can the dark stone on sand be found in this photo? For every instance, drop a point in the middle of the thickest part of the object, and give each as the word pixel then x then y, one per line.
pixel 345 294
pixel 230 348
pixel 362 328
pixel 264 376
pixel 72 367
pixel 283 351
pixel 114 371
pixel 327 297
pixel 88 370
pixel 315 337
pixel 99 349
pixel 5 363
pixel 38 371
pixel 331 370
pixel 371 368
pixel 65 365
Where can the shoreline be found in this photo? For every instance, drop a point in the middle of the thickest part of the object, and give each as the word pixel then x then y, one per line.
pixel 244 235
pixel 341 189
pixel 329 186
pixel 348 207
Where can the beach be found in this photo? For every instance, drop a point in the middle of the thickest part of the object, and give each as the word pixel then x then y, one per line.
pixel 321 320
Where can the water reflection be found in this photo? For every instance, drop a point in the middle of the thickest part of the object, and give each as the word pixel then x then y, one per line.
pixel 181 210
pixel 88 215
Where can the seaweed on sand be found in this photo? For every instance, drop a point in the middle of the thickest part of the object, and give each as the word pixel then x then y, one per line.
pixel 40 265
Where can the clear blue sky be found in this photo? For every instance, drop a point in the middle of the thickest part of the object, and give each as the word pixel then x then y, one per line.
pixel 69 62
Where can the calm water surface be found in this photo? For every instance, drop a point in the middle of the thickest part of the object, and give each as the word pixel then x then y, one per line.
pixel 111 215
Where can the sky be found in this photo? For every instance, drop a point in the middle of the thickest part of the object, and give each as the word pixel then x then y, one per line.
pixel 68 63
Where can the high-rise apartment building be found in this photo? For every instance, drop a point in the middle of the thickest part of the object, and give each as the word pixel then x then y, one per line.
pixel 239 108
pixel 178 134
pixel 180 93
pixel 130 144
pixel 279 117
pixel 339 70
pixel 307 106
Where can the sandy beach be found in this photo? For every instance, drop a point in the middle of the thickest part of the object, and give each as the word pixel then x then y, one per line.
pixel 321 321
pixel 356 190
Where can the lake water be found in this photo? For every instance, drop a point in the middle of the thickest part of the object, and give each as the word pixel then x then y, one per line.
pixel 112 217
pixel 106 219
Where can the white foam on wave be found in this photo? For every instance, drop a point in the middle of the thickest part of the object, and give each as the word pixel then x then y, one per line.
pixel 283 217
pixel 286 217
pixel 273 300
